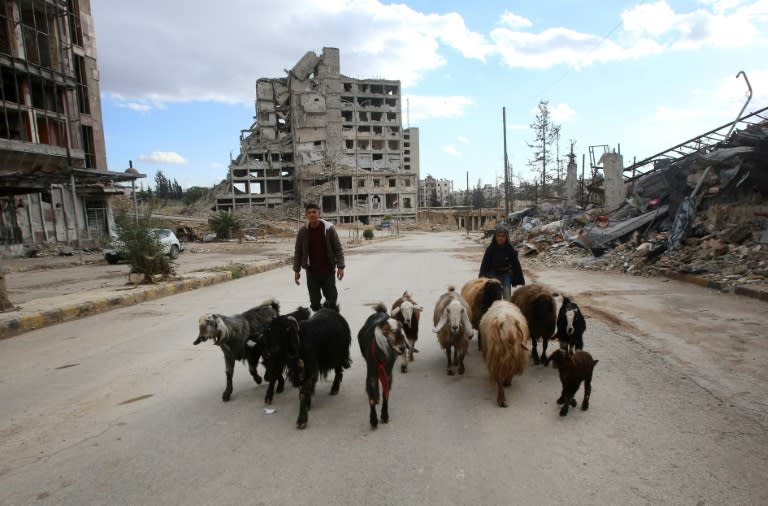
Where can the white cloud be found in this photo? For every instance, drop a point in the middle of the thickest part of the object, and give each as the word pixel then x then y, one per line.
pixel 134 106
pixel 451 150
pixel 561 113
pixel 163 157
pixel 423 107
pixel 223 51
pixel 462 139
pixel 514 21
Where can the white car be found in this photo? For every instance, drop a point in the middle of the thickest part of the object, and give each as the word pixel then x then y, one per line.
pixel 168 240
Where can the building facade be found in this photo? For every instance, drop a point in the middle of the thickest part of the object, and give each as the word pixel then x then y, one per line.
pixel 54 183
pixel 323 137
pixel 430 187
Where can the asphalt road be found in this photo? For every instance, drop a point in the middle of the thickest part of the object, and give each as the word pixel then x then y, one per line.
pixel 120 408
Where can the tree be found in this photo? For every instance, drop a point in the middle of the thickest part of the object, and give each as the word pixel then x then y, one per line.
pixel 225 224
pixel 546 134
pixel 478 197
pixel 141 247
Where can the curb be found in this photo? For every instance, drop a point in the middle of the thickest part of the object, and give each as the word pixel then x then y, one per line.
pixel 706 283
pixel 143 293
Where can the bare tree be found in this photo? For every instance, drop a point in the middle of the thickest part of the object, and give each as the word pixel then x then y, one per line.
pixel 546 134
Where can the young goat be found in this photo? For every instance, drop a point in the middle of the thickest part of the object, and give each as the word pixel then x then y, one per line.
pixel 573 370
pixel 406 311
pixel 381 341
pixel 570 326
pixel 259 318
pixel 453 327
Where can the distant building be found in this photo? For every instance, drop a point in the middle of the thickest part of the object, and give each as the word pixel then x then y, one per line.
pixel 323 137
pixel 430 187
pixel 54 183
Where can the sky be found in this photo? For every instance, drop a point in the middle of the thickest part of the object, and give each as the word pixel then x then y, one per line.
pixel 178 77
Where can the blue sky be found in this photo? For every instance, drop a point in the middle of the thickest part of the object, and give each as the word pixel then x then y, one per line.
pixel 178 76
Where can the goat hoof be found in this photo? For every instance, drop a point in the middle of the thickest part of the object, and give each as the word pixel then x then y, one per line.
pixel 301 425
pixel 585 406
pixel 450 372
pixel 384 419
pixel 334 391
pixel 461 369
pixel 403 369
pixel 268 401
pixel 225 397
pixel 279 390
pixel 573 403
pixel 257 379
pixel 563 412
pixel 560 400
pixel 502 404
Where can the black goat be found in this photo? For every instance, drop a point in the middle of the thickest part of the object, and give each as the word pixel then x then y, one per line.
pixel 570 326
pixel 311 347
pixel 381 341
pixel 573 370
pixel 259 318
pixel 229 333
pixel 275 359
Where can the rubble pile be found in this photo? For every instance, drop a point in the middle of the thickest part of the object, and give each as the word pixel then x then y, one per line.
pixel 705 214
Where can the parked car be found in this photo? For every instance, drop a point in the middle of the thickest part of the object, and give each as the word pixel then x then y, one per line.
pixel 384 224
pixel 168 240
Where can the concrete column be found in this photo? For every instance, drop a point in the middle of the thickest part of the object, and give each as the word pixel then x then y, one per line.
pixel 571 185
pixel 613 168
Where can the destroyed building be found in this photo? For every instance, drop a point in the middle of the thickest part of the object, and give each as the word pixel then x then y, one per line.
pixel 54 182
pixel 320 136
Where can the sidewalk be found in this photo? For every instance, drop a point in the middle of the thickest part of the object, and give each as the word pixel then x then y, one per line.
pixel 50 310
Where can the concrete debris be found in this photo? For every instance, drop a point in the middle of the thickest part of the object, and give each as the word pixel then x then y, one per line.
pixel 704 214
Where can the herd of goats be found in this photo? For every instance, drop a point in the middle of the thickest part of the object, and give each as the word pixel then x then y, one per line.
pixel 309 345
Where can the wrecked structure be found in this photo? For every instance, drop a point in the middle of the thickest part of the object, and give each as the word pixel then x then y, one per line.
pixel 323 137
pixel 698 208
pixel 54 182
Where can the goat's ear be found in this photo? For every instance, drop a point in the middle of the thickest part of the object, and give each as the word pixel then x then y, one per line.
pixel 418 308
pixel 395 311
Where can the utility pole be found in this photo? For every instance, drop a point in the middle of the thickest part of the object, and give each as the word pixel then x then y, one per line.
pixel 506 165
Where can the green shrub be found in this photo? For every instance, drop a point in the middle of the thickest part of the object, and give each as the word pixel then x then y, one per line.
pixel 141 248
pixel 225 224
pixel 368 234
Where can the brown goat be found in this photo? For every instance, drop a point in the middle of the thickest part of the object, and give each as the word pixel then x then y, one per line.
pixel 505 331
pixel 573 370
pixel 539 305
pixel 480 293
pixel 453 327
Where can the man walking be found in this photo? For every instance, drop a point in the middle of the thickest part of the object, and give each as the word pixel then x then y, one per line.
pixel 318 250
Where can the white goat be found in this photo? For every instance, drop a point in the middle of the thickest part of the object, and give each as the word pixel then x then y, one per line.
pixel 452 320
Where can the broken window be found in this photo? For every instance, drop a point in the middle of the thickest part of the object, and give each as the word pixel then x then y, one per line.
pixel 347 100
pixel 407 203
pixel 346 115
pixel 391 90
pixel 391 102
pixel 363 116
pixel 377 145
pixel 361 183
pixel 376 116
pixel 392 182
pixel 287 156
pixel 376 183
pixel 407 182
pixel 349 144
pixel 393 145
pixel 378 156
pixel 317 143
pixel 377 130
pixel 363 88
pixel 345 183
pixel 391 116
pixel 362 144
pixel 364 129
pixel 275 157
pixel 377 88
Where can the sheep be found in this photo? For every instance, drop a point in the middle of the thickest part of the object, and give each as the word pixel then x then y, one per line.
pixel 408 312
pixel 573 370
pixel 480 293
pixel 312 348
pixel 230 333
pixel 382 339
pixel 275 360
pixel 453 327
pixel 539 306
pixel 570 326
pixel 505 331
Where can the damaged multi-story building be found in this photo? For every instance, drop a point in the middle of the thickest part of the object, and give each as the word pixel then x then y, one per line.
pixel 320 136
pixel 54 182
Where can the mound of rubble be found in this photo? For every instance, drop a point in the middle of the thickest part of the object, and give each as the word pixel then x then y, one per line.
pixel 705 214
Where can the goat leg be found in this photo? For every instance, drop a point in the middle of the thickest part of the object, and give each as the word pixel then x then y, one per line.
pixel 450 361
pixel 305 401
pixel 337 377
pixel 385 410
pixel 252 368
pixel 501 399
pixel 460 362
pixel 372 415
pixel 566 403
pixel 587 393
pixel 544 359
pixel 229 369
pixel 534 351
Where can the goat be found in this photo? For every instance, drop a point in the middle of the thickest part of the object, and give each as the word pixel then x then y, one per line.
pixel 382 339
pixel 229 333
pixel 480 293
pixel 539 306
pixel 573 370
pixel 259 318
pixel 453 327
pixel 505 331
pixel 570 326
pixel 274 358
pixel 406 311
pixel 311 347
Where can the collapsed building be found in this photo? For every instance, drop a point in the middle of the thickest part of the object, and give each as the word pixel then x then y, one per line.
pixel 322 137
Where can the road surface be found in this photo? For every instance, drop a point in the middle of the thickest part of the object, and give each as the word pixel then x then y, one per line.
pixel 120 408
